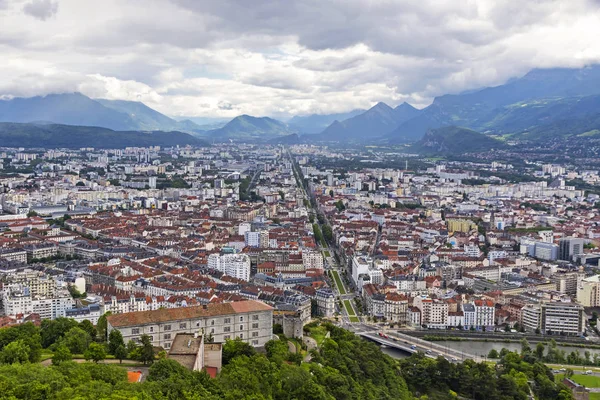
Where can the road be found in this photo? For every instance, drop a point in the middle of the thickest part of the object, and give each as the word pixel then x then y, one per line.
pixel 344 294
pixel 406 343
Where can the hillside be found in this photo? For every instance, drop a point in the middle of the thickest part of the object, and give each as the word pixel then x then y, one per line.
pixel 67 108
pixel 246 127
pixel 68 136
pixel 454 140
pixel 540 97
pixel 376 121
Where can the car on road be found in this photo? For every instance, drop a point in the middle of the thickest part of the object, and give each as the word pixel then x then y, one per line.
pixel 413 347
pixel 428 352
pixel 588 372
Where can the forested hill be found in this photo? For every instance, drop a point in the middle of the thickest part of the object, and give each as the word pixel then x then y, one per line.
pixel 345 367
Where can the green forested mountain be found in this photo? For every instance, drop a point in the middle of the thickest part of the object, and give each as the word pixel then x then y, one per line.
pixel 69 136
pixel 454 140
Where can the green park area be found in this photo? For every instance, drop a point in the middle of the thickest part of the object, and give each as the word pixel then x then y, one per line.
pixel 338 282
pixel 350 311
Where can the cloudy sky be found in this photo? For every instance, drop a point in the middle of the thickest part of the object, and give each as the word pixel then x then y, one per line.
pixel 222 58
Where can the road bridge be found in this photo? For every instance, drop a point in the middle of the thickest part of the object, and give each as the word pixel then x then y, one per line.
pixel 413 345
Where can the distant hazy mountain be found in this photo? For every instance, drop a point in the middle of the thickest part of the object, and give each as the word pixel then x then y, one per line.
pixel 69 136
pixel 316 123
pixel 67 108
pixel 454 140
pixel 80 110
pixel 376 121
pixel 146 118
pixel 540 97
pixel 246 127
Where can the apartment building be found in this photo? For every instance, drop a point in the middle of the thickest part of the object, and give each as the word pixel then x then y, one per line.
pixel 250 320
pixel 325 302
pixel 555 317
pixel 588 291
pixel 434 312
pixel 312 259
pixel 396 308
pixel 236 265
pixel 18 300
pixel 563 318
pixel 11 254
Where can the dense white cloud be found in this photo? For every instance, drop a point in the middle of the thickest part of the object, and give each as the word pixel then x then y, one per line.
pixel 265 57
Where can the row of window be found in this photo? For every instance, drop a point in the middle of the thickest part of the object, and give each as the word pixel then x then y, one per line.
pixel 183 325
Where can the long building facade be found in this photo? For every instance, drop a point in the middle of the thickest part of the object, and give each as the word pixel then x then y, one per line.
pixel 250 320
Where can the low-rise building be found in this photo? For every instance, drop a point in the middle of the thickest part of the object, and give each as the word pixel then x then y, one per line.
pixel 249 320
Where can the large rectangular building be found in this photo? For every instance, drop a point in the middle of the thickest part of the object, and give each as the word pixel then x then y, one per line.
pixel 250 320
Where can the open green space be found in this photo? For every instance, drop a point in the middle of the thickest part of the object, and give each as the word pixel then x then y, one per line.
pixel 350 311
pixel 338 282
pixel 594 396
pixel 589 381
pixel 318 333
pixel 326 253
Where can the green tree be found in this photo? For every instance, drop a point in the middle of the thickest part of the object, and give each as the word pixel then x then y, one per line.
pixel 539 351
pixel 102 325
pixel 235 348
pixel 76 340
pixel 147 350
pixel 87 326
pixel 120 353
pixel 277 351
pixel 115 340
pixel 15 352
pixel 61 354
pixel 95 352
pixel 164 369
pixel 493 354
pixel 52 330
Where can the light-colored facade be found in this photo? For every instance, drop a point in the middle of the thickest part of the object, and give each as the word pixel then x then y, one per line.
pixel 251 321
pixel 588 291
pixel 236 265
pixel 563 318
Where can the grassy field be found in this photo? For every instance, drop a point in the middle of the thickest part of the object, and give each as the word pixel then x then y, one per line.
pixel 326 253
pixel 589 381
pixel 350 311
pixel 338 282
pixel 318 333
pixel 594 396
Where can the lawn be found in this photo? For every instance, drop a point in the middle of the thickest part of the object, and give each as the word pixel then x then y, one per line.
pixel 594 396
pixel 590 381
pixel 350 311
pixel 326 253
pixel 338 282
pixel 318 333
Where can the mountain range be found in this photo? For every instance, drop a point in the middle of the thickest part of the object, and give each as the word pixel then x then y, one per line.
pixel 80 110
pixel 454 140
pixel 376 121
pixel 558 102
pixel 72 136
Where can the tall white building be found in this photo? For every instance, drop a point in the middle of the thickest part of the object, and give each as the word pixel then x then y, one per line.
pixel 236 265
pixel 18 299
